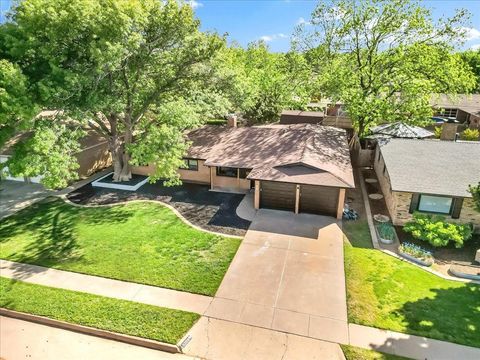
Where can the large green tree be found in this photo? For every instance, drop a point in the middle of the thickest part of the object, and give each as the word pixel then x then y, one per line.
pixel 126 69
pixel 262 83
pixel 383 58
pixel 472 59
pixel 16 107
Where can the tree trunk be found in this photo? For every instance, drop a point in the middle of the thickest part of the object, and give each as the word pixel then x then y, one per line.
pixel 121 157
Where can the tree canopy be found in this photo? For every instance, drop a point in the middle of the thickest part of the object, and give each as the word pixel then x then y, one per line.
pixel 124 69
pixel 383 58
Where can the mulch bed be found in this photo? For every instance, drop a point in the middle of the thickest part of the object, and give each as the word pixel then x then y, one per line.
pixel 212 211
pixel 132 182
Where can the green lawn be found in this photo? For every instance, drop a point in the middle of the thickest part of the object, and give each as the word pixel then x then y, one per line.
pixel 140 242
pixel 115 315
pixel 387 293
pixel 355 353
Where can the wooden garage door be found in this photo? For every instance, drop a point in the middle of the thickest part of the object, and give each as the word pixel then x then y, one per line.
pixel 275 195
pixel 318 200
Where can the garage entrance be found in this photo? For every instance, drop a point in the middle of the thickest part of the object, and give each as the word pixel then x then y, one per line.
pixel 318 200
pixel 276 195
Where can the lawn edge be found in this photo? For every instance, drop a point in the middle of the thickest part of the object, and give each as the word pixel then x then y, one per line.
pixel 105 334
pixel 161 203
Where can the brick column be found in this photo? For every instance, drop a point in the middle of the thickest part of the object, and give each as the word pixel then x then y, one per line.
pixel 297 199
pixel 341 202
pixel 256 200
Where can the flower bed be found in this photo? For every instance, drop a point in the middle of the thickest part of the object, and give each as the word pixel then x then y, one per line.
pixel 416 254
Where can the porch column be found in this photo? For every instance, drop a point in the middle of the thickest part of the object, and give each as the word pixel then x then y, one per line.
pixel 212 169
pixel 341 202
pixel 256 200
pixel 297 199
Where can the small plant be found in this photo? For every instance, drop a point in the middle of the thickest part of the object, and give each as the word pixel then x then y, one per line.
pixel 416 251
pixel 438 132
pixel 436 231
pixel 386 231
pixel 471 135
pixel 475 191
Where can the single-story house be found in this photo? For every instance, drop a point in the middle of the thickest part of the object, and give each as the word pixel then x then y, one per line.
pixel 462 107
pixel 93 156
pixel 430 176
pixel 301 168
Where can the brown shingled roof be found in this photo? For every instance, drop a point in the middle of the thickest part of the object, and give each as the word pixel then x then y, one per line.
pixel 304 154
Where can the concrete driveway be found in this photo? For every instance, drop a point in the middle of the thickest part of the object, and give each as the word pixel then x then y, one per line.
pixel 287 275
pixel 15 195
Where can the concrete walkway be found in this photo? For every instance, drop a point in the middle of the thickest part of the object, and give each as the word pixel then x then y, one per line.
pixel 17 195
pixel 411 346
pixel 22 340
pixel 146 294
pixel 287 276
pixel 224 340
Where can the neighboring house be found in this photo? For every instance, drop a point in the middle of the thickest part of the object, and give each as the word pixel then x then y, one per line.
pixel 430 176
pixel 301 168
pixel 92 157
pixel 462 107
pixel 330 116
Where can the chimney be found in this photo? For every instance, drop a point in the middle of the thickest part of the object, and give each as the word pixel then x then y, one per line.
pixel 449 131
pixel 232 120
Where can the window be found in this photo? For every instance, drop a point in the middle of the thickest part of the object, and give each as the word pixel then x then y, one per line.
pixel 226 171
pixel 243 173
pixel 435 204
pixel 450 113
pixel 191 164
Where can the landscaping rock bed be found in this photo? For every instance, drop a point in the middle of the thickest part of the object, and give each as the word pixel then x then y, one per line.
pixel 471 272
pixel 212 211
pixel 415 260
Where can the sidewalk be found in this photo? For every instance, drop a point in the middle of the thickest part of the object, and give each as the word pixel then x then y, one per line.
pixel 27 340
pixel 411 346
pixel 145 294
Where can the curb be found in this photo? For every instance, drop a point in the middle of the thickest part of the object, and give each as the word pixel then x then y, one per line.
pixel 128 339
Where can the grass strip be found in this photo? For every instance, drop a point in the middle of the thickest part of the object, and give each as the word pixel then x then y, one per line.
pixel 120 316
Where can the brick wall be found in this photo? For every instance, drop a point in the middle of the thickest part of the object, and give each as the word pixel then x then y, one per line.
pixel 398 203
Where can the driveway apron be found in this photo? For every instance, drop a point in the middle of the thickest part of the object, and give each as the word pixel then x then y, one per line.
pixel 287 275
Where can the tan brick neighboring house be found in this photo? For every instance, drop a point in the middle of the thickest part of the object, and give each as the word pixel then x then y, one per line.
pixel 463 107
pixel 300 168
pixel 430 176
pixel 92 157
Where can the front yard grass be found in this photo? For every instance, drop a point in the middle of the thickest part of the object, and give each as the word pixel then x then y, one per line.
pixel 95 311
pixel 387 293
pixel 356 353
pixel 140 242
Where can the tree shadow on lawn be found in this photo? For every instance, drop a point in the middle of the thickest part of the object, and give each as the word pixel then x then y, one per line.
pixel 451 314
pixel 52 225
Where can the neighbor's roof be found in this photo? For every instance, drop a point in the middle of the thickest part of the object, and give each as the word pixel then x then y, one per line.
pixel 401 130
pixel 302 153
pixel 432 166
pixel 467 102
pixel 90 139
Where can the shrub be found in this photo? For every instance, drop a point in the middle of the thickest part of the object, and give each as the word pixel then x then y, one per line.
pixel 386 231
pixel 475 191
pixel 415 251
pixel 471 135
pixel 437 132
pixel 437 231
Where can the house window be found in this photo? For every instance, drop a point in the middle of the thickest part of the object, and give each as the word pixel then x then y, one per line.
pixel 450 113
pixel 435 204
pixel 191 164
pixel 243 173
pixel 227 171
